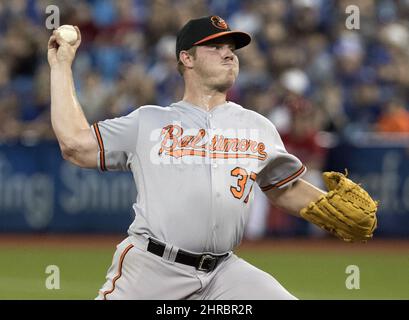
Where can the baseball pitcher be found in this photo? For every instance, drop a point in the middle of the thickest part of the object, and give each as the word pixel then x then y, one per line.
pixel 194 164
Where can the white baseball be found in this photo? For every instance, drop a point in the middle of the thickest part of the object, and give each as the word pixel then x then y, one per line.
pixel 68 33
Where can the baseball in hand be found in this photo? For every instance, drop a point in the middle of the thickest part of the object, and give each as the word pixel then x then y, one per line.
pixel 68 33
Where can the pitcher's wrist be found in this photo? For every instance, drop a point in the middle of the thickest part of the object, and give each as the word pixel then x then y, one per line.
pixel 63 66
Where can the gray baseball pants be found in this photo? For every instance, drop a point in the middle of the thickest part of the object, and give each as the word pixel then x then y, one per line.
pixel 136 273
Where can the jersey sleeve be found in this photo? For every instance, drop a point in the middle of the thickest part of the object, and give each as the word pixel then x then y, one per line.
pixel 282 169
pixel 117 140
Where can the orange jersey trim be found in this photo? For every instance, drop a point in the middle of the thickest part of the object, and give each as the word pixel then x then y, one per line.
pixel 121 260
pixel 235 156
pixel 101 147
pixel 214 155
pixel 284 181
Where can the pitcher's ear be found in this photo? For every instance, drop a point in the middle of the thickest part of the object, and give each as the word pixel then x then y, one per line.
pixel 186 58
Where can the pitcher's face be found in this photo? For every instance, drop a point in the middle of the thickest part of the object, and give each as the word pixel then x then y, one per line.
pixel 216 63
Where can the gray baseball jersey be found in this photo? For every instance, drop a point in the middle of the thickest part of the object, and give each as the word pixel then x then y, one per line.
pixel 194 170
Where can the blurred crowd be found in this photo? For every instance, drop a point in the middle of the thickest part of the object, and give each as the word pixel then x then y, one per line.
pixel 304 70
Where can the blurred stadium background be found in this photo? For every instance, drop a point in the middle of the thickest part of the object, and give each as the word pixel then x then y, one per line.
pixel 338 97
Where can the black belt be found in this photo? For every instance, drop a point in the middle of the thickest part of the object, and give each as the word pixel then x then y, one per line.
pixel 202 262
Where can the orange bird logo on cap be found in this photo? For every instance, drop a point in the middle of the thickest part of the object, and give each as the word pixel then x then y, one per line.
pixel 219 22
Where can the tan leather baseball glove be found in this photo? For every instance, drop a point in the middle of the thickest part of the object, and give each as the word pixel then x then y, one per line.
pixel 347 210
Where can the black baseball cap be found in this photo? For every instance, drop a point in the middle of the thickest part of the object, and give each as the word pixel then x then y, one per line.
pixel 198 31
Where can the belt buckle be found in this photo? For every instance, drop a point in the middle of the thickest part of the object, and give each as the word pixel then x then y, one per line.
pixel 202 261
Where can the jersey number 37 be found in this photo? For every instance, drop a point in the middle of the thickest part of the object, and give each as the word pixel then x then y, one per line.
pixel 243 176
